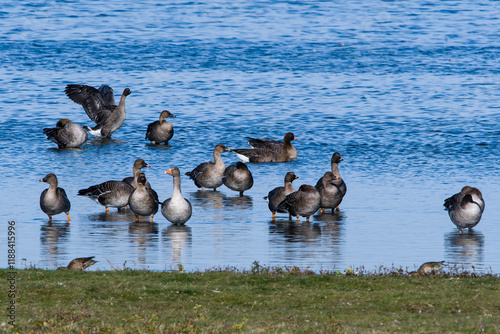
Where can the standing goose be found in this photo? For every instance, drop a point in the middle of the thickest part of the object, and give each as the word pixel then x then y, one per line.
pixel 275 145
pixel 329 189
pixel 238 177
pixel 160 131
pixel 277 195
pixel 54 200
pixel 176 209
pixel 112 194
pixel 304 202
pixel 66 134
pixel 80 263
pixel 466 213
pixel 209 174
pixel 143 201
pixel 474 192
pixel 336 158
pixel 99 104
pixel 136 170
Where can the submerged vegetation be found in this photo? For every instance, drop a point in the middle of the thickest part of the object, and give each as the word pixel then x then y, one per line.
pixel 262 299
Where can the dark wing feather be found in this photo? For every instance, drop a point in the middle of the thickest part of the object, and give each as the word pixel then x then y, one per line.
pixel 265 143
pixel 108 94
pixel 287 203
pixel 448 203
pixel 151 127
pixel 92 101
pixel 198 170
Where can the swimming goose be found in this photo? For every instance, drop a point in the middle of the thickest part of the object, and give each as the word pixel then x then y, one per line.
pixel 176 209
pixel 66 134
pixel 304 202
pixel 80 263
pixel 54 200
pixel 276 145
pixel 329 189
pixel 466 213
pixel 209 174
pixel 99 104
pixel 112 194
pixel 238 177
pixel 160 131
pixel 474 192
pixel 277 195
pixel 136 170
pixel 143 201
pixel 266 150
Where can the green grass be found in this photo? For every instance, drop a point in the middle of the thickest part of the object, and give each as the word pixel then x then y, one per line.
pixel 268 301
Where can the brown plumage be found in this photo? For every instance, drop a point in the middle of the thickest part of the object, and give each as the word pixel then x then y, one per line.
pixel 80 263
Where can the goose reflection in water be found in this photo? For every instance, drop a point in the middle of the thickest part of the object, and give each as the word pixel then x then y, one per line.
pixel 208 200
pixel 145 236
pixel 334 216
pixel 124 215
pixel 295 232
pixel 177 238
pixel 52 236
pixel 242 202
pixel 465 248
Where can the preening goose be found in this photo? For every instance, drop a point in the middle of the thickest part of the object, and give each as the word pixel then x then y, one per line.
pixel 66 134
pixel 304 202
pixel 277 195
pixel 238 177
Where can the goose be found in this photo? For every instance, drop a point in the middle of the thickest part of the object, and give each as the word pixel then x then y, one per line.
pixel 430 268
pixel 99 104
pixel 80 263
pixel 275 145
pixel 277 195
pixel 266 150
pixel 143 201
pixel 336 159
pixel 54 200
pixel 66 134
pixel 329 189
pixel 136 170
pixel 238 177
pixel 474 192
pixel 176 209
pixel 209 174
pixel 466 213
pixel 160 131
pixel 112 194
pixel 304 202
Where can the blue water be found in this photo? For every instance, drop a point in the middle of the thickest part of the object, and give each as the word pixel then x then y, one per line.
pixel 407 92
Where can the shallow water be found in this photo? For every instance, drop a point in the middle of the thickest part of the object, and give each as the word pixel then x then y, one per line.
pixel 406 92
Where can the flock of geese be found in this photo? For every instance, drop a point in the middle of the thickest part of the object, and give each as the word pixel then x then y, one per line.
pixel 465 208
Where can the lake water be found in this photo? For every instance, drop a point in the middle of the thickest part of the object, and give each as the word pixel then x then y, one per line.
pixel 408 93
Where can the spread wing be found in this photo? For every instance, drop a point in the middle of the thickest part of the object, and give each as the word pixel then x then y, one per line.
pixel 94 103
pixel 108 94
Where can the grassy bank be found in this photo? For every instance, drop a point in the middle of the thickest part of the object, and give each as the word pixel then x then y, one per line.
pixel 259 301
